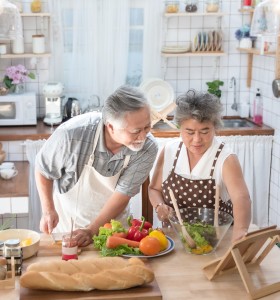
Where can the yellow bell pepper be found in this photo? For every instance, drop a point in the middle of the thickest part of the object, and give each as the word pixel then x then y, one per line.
pixel 161 237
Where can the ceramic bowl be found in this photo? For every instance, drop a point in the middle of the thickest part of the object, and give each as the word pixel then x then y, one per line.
pixel 29 240
pixel 199 223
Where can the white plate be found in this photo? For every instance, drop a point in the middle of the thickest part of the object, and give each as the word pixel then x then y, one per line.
pixel 158 92
pixel 175 49
pixel 169 248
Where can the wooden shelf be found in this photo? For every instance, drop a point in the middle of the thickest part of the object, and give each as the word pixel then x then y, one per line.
pixel 246 10
pixel 35 15
pixel 24 55
pixel 255 51
pixel 185 14
pixel 197 53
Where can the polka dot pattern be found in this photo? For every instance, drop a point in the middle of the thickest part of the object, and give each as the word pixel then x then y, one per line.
pixel 193 193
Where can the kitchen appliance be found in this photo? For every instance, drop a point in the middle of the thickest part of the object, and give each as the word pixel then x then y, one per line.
pixel 72 108
pixel 53 98
pixel 18 109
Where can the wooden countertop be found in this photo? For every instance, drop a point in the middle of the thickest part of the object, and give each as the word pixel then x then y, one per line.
pixel 178 274
pixel 161 130
pixel 18 185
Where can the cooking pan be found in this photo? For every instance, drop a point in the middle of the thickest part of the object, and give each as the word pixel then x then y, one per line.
pixel 276 87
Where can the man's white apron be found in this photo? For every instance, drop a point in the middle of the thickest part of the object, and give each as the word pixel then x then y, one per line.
pixel 84 201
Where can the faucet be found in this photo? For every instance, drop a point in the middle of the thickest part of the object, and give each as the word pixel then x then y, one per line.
pixel 233 80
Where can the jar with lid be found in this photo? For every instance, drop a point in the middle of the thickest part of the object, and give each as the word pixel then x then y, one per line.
pixel 38 43
pixel 191 6
pixel 12 249
pixel 172 6
pixel 212 6
pixel 36 6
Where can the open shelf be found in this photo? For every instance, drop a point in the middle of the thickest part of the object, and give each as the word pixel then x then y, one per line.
pixel 255 51
pixel 24 55
pixel 35 14
pixel 185 14
pixel 197 53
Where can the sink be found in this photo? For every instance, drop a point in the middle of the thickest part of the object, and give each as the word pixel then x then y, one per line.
pixel 237 123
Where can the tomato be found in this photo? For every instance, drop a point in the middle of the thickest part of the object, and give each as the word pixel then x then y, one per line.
pixel 161 237
pixel 107 225
pixel 150 246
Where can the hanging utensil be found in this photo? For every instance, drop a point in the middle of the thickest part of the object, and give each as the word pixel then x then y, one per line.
pixel 185 233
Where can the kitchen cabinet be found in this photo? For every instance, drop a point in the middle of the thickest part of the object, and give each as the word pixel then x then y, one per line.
pixel 41 17
pixel 253 51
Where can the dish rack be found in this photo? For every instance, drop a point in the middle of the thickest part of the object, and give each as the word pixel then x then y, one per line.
pixel 9 282
pixel 162 115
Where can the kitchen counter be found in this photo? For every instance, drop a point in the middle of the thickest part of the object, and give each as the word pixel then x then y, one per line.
pixel 161 130
pixel 178 274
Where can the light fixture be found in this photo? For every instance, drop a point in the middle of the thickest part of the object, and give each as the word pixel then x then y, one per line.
pixel 266 18
pixel 10 21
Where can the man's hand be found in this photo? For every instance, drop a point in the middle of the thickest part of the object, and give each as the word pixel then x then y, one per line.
pixel 49 221
pixel 84 236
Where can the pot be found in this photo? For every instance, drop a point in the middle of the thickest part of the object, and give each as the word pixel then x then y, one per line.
pixel 276 87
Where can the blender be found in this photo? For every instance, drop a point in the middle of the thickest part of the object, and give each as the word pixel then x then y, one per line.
pixel 53 98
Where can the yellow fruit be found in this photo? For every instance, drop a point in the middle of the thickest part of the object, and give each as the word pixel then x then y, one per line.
pixel 26 242
pixel 161 237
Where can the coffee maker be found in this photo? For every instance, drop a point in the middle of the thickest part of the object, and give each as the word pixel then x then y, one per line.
pixel 53 98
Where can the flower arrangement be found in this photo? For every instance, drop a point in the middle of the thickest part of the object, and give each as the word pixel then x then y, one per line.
pixel 243 32
pixel 16 75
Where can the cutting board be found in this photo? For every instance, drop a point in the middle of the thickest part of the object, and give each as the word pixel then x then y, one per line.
pixel 147 292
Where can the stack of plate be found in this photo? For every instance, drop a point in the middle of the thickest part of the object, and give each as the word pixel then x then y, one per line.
pixel 208 41
pixel 159 93
pixel 176 49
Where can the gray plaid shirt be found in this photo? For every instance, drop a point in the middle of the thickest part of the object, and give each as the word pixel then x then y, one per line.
pixel 68 149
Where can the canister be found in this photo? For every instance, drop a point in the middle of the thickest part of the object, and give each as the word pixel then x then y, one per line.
pixel 12 248
pixel 18 46
pixel 3 49
pixel 38 43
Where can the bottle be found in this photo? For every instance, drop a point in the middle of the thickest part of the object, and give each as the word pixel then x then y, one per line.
pixel 258 108
pixel 36 6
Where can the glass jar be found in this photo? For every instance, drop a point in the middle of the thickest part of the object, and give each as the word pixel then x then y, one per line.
pixel 36 6
pixel 172 6
pixel 212 6
pixel 3 268
pixel 191 6
pixel 69 247
pixel 12 249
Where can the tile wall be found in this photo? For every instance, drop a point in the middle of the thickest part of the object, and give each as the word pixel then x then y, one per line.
pixel 185 73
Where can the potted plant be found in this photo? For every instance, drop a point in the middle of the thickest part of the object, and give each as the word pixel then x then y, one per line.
pixel 243 36
pixel 214 87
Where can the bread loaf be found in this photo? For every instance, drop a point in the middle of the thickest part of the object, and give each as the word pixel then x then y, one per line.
pixel 107 273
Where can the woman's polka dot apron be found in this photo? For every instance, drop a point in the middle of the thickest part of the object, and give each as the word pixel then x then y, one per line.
pixel 193 193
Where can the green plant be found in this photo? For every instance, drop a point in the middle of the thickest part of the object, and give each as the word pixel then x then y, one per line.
pixel 214 87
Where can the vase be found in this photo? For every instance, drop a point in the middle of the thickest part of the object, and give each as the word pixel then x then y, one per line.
pixel 17 88
pixel 245 43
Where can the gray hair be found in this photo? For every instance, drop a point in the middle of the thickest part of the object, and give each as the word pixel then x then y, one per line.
pixel 201 106
pixel 124 100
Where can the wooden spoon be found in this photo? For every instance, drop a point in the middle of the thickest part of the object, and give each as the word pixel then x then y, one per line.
pixel 185 233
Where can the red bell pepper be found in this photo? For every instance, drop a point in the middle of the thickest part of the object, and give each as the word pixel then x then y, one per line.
pixel 137 233
pixel 137 222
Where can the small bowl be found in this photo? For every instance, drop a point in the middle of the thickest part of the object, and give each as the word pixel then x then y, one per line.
pixel 24 235
pixel 199 223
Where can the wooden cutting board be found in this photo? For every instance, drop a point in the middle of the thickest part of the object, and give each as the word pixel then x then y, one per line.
pixel 148 292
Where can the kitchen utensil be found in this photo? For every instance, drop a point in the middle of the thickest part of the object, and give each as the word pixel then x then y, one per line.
pixel 71 109
pixel 186 235
pixel 217 199
pixel 276 88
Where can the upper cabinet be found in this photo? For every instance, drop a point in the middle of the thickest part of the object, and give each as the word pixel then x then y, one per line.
pixel 41 19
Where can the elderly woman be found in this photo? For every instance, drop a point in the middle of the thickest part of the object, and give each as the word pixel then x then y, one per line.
pixel 194 164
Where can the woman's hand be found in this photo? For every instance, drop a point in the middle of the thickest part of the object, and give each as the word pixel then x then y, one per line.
pixel 163 211
pixel 83 236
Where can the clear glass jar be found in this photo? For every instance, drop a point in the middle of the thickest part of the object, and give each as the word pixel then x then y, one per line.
pixel 69 247
pixel 172 6
pixel 212 6
pixel 191 6
pixel 12 249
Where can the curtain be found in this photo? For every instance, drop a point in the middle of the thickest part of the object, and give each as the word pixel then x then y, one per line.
pixel 90 55
pixel 35 211
pixel 254 154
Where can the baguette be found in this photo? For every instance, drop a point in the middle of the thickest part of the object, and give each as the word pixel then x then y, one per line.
pixel 107 273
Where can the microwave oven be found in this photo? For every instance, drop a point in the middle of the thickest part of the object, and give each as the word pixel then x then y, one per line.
pixel 18 109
